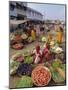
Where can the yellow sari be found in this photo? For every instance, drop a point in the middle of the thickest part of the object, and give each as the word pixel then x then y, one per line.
pixel 33 35
pixel 59 37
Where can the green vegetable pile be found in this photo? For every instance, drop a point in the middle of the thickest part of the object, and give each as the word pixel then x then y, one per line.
pixel 25 81
pixel 28 60
pixel 56 63
pixel 56 76
pixel 13 66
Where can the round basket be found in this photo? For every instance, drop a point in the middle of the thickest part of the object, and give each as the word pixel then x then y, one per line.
pixel 41 76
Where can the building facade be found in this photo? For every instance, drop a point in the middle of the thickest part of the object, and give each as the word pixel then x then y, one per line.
pixel 19 10
pixel 34 15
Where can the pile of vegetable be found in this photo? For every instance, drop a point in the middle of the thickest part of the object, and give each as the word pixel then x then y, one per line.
pixel 19 39
pixel 57 76
pixel 24 36
pixel 41 76
pixel 30 39
pixel 28 59
pixel 25 81
pixel 18 46
pixel 13 66
pixel 58 71
pixel 12 36
pixel 32 74
pixel 24 69
pixel 18 57
pixel 43 39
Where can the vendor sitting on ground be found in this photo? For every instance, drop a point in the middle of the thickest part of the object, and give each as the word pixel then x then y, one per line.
pixel 47 54
pixel 37 54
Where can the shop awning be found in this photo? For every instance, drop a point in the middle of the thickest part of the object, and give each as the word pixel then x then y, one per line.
pixel 16 22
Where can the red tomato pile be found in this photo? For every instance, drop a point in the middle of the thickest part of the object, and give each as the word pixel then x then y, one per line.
pixel 41 76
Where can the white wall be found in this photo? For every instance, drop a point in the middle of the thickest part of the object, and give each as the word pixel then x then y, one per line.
pixel 30 14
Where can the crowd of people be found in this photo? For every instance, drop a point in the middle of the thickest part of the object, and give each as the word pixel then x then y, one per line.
pixel 35 31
